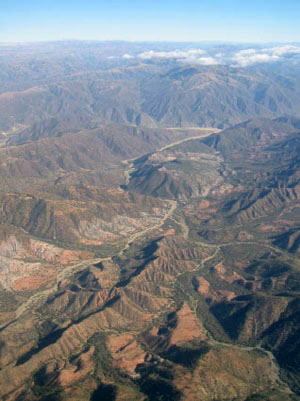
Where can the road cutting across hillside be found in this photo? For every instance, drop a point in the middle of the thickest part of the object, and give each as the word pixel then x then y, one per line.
pixel 206 132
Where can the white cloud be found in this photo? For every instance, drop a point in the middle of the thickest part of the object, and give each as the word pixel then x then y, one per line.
pixel 227 56
pixel 191 56
pixel 201 60
pixel 248 57
pixel 176 54
pixel 284 50
pixel 245 59
pixel 127 56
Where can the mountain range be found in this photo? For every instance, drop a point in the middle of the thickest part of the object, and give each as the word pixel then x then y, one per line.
pixel 150 228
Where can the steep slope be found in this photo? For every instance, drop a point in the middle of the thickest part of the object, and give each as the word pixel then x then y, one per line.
pixel 142 256
pixel 146 95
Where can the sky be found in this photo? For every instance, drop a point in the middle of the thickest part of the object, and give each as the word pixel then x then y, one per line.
pixel 155 20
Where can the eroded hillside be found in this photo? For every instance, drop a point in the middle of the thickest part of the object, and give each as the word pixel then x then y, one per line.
pixel 143 254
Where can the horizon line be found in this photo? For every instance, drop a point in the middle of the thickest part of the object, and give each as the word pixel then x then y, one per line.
pixel 30 42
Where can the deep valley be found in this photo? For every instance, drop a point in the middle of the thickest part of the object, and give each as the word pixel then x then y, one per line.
pixel 150 229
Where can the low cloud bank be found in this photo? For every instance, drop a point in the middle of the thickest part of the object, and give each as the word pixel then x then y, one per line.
pixel 237 58
pixel 248 57
pixel 177 54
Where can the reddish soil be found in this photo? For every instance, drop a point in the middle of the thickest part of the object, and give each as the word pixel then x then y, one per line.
pixel 126 352
pixel 188 327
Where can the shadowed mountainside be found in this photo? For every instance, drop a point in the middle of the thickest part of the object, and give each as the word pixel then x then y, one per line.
pixel 143 256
